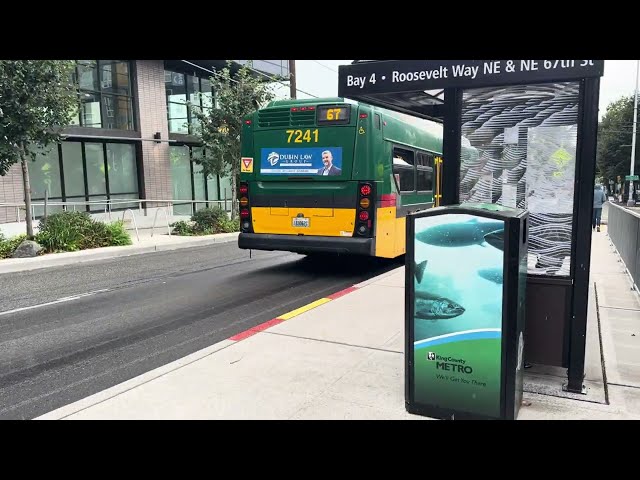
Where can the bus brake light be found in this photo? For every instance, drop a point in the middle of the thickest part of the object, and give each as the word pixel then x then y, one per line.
pixel 363 216
pixel 365 190
pixel 244 189
pixel 244 213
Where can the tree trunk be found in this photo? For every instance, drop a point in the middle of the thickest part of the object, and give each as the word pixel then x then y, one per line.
pixel 234 203
pixel 27 193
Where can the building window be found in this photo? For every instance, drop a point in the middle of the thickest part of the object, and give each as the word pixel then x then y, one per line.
pixel 179 87
pixel 104 88
pixel 123 174
pixel 190 185
pixel 269 67
pixel 181 178
pixel 86 173
pixel 44 176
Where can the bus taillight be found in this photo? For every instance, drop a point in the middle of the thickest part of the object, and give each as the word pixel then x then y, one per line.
pixel 245 208
pixel 364 212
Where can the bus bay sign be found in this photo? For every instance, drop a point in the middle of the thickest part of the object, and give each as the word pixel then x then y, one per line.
pixel 406 75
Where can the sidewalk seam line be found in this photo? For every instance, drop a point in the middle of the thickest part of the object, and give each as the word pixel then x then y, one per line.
pixel 622 308
pixel 333 342
pixel 602 360
pixel 625 386
pixel 593 402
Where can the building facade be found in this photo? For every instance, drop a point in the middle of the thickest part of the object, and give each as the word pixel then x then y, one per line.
pixel 132 138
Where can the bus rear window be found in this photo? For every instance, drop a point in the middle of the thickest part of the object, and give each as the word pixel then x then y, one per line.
pixel 403 169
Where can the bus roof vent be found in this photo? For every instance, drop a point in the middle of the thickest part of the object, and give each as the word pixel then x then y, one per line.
pixel 286 117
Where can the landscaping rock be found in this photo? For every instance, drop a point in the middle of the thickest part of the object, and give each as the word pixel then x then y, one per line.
pixel 27 248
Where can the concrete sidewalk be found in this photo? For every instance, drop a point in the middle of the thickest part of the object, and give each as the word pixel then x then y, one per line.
pixel 160 241
pixel 342 358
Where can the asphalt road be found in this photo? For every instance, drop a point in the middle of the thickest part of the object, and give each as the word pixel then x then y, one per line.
pixel 69 332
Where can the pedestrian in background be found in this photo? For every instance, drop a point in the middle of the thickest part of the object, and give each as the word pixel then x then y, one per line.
pixel 598 201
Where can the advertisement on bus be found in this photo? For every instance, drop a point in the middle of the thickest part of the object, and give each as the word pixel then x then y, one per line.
pixel 321 161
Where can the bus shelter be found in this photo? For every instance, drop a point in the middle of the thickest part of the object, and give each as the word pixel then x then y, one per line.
pixel 518 133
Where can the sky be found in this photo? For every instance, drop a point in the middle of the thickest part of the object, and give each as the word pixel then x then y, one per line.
pixel 320 78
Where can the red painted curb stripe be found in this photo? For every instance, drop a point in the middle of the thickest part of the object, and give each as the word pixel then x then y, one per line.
pixel 242 335
pixel 259 328
pixel 263 326
pixel 341 293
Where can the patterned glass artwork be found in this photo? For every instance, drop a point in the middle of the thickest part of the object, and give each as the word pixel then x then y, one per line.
pixel 519 150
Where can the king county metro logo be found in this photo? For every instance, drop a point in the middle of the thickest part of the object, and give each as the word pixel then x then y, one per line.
pixel 273 158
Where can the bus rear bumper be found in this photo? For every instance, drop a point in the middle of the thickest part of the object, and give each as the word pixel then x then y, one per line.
pixel 306 243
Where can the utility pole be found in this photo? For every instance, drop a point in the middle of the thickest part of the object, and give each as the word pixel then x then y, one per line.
pixel 631 201
pixel 292 78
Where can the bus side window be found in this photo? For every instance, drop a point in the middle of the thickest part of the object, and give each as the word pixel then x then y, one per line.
pixel 425 172
pixel 377 121
pixel 404 169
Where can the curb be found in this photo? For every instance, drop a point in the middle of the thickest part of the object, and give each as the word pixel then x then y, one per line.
pixel 68 258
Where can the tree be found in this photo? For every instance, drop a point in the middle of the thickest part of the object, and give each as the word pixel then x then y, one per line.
pixel 37 100
pixel 220 126
pixel 614 140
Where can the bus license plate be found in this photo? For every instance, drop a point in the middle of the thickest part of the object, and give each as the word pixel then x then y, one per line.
pixel 301 222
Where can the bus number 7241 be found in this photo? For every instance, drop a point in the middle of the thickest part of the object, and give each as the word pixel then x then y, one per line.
pixel 299 136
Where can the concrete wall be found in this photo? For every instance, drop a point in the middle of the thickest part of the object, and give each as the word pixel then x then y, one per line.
pixel 11 191
pixel 152 107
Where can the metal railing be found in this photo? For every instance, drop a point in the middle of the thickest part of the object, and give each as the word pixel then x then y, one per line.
pixel 166 217
pixel 134 221
pixel 110 205
pixel 623 228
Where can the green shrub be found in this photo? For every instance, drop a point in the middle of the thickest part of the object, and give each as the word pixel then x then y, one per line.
pixel 181 228
pixel 65 231
pixel 209 220
pixel 9 245
pixel 230 226
pixel 117 234
pixel 72 231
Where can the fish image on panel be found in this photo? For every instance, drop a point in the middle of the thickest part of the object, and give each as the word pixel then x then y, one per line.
pixel 418 269
pixel 433 307
pixel 492 274
pixel 471 232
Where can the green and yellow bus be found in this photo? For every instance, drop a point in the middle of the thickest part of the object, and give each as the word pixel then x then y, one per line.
pixel 333 175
